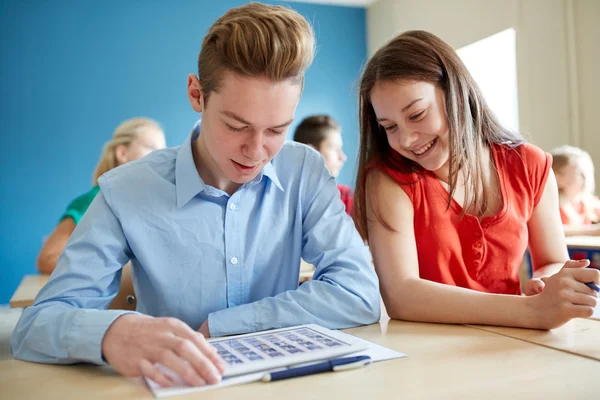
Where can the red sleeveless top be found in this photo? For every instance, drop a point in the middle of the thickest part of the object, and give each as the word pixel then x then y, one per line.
pixel 480 255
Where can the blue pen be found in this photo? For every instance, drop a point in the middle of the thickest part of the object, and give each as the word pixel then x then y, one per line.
pixel 592 285
pixel 339 364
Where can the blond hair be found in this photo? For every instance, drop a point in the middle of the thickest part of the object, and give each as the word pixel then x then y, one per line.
pixel 124 135
pixel 256 40
pixel 574 156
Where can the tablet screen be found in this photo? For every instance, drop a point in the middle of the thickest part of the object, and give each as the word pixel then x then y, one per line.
pixel 269 346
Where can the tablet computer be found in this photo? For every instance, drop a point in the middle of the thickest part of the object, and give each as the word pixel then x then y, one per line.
pixel 278 348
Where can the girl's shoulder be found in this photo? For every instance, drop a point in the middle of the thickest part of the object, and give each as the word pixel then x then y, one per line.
pixel 526 167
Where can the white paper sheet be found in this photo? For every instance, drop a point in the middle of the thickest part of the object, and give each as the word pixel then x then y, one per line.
pixel 596 314
pixel 375 351
pixel 180 387
pixel 379 353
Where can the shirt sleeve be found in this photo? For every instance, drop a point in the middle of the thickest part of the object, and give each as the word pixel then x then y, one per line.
pixel 67 322
pixel 344 291
pixel 73 211
pixel 538 164
pixel 78 207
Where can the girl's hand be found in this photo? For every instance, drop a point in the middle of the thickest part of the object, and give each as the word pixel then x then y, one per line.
pixel 565 295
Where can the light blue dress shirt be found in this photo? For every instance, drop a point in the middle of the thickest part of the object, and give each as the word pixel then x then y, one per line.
pixel 198 253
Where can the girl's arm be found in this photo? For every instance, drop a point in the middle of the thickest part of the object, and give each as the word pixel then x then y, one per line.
pixel 54 245
pixel 407 296
pixel 546 238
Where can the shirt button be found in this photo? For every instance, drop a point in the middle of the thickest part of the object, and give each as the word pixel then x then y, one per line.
pixel 478 245
pixel 234 260
pixel 477 234
pixel 232 206
pixel 485 225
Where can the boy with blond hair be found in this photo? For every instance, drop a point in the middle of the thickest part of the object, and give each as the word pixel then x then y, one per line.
pixel 214 229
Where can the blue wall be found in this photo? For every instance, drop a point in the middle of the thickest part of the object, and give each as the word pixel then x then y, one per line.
pixel 71 70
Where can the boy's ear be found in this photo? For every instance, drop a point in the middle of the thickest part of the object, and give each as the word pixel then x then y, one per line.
pixel 195 94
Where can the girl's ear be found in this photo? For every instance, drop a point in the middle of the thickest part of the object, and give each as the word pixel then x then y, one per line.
pixel 121 154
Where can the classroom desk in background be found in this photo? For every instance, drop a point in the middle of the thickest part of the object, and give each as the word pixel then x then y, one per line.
pixel 444 361
pixel 306 271
pixel 584 247
pixel 27 290
pixel 32 284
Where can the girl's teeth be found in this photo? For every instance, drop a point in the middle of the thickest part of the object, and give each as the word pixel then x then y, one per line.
pixel 424 148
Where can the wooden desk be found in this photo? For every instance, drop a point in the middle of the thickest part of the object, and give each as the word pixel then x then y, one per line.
pixel 578 336
pixel 585 247
pixel 32 284
pixel 444 361
pixel 305 276
pixel 27 290
pixel 583 242
pixel 306 271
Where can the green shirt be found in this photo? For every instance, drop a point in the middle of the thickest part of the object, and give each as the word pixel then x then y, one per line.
pixel 77 208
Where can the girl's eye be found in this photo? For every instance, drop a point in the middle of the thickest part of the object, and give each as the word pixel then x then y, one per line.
pixel 390 128
pixel 416 116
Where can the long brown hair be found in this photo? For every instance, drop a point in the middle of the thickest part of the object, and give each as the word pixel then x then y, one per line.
pixel 422 56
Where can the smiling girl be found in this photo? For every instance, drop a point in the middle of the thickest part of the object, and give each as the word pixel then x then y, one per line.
pixel 449 200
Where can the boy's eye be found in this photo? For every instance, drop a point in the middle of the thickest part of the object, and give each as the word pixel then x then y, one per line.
pixel 233 129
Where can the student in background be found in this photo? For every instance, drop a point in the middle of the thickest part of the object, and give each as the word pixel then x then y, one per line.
pixel 133 139
pixel 579 208
pixel 323 133
pixel 449 200
pixel 214 229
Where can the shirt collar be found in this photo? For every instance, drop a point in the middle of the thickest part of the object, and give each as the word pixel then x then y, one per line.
pixel 188 182
pixel 269 172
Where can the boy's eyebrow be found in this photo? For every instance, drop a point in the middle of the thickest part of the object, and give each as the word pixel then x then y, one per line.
pixel 243 121
pixel 284 124
pixel 236 117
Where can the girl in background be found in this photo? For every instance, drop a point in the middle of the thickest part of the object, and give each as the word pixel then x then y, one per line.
pixel 132 139
pixel 579 208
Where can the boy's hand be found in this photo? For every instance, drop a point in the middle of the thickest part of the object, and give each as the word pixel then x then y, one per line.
pixel 204 329
pixel 134 344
